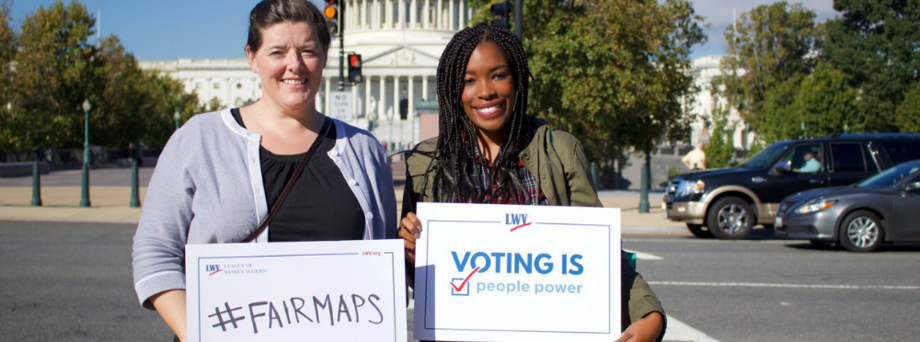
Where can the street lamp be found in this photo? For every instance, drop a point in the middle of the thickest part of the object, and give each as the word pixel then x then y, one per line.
pixel 84 193
pixel 176 116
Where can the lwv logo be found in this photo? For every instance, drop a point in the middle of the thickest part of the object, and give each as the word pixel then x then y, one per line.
pixel 515 219
pixel 212 269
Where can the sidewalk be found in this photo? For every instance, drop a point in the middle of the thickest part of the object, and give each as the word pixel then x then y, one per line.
pixel 109 204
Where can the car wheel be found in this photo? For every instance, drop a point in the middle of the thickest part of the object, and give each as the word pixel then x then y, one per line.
pixel 861 231
pixel 698 231
pixel 730 218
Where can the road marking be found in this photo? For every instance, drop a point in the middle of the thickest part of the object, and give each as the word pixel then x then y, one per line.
pixel 793 286
pixel 698 240
pixel 644 256
pixel 680 331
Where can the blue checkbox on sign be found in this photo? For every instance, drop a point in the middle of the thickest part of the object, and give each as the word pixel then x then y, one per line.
pixel 461 290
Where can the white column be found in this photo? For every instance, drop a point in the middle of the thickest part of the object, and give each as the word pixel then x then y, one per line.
pixel 388 15
pixel 353 10
pixel 400 14
pixel 375 16
pixel 328 101
pixel 364 14
pixel 439 15
pixel 367 97
pixel 411 97
pixel 317 103
pixel 413 14
pixel 469 16
pixel 425 89
pixel 396 114
pixel 450 18
pixel 354 103
pixel 381 99
pixel 426 14
pixel 461 23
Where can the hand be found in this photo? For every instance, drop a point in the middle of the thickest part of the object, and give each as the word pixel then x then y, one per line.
pixel 646 329
pixel 409 229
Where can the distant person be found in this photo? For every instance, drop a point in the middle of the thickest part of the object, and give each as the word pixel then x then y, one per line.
pixel 811 164
pixel 222 173
pixel 696 159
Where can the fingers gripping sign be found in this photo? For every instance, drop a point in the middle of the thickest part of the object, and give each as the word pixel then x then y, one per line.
pixel 410 229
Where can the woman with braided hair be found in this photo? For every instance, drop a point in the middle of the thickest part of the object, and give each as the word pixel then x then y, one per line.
pixel 489 150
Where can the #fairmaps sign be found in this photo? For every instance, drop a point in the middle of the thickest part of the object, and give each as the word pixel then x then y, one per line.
pixel 517 273
pixel 297 291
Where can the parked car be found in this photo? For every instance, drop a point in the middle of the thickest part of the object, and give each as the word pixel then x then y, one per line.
pixel 882 208
pixel 728 203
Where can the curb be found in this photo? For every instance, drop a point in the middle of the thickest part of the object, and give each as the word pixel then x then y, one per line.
pixel 68 220
pixel 625 230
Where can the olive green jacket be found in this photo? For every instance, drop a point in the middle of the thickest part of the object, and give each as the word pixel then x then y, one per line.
pixel 561 169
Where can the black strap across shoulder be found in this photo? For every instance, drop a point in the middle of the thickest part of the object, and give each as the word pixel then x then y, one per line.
pixel 290 184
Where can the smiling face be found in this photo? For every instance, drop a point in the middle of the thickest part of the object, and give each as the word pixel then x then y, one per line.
pixel 290 63
pixel 488 91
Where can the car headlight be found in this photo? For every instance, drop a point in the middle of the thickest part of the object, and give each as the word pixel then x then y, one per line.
pixel 686 188
pixel 815 205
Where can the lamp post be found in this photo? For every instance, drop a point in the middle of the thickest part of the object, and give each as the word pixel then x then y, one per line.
pixel 84 193
pixel 177 116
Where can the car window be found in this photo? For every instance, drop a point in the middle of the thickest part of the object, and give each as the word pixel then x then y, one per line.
pixel 766 156
pixel 805 158
pixel 902 150
pixel 891 176
pixel 848 157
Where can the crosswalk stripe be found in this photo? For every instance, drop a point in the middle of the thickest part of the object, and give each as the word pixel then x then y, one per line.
pixel 796 286
pixel 644 256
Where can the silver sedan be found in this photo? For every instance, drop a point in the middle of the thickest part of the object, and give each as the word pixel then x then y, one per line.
pixel 860 217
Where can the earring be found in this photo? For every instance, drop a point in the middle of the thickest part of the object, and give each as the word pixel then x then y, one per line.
pixel 255 70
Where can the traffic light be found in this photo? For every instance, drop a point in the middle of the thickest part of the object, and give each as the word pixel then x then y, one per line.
pixel 331 11
pixel 354 68
pixel 503 11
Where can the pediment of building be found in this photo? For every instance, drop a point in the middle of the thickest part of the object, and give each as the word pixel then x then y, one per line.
pixel 396 56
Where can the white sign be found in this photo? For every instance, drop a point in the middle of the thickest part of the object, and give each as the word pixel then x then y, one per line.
pixel 517 273
pixel 340 106
pixel 297 291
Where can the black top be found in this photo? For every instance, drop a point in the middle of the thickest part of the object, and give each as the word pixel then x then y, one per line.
pixel 321 206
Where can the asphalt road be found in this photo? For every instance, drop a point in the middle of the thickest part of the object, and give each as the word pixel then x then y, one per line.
pixel 784 290
pixel 72 282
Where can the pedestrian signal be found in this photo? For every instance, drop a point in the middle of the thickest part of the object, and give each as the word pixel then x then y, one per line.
pixel 503 11
pixel 354 68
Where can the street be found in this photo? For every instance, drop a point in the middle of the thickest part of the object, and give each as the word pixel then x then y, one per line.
pixel 783 290
pixel 72 282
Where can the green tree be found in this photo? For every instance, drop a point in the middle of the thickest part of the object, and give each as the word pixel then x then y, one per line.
pixel 53 77
pixel 769 53
pixel 612 72
pixel 7 53
pixel 721 147
pixel 825 101
pixel 908 113
pixel 874 43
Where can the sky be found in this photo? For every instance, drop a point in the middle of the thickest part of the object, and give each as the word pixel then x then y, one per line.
pixel 173 29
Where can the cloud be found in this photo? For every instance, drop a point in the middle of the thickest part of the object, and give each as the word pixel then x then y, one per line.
pixel 719 16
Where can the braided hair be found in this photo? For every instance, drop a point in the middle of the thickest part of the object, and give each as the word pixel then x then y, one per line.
pixel 457 140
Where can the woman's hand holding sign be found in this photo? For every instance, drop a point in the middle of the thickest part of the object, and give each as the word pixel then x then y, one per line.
pixel 647 328
pixel 409 229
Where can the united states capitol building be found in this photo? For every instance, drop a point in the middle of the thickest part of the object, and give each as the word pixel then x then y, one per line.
pixel 399 57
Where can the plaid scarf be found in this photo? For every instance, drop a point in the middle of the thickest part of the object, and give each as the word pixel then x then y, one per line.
pixel 483 167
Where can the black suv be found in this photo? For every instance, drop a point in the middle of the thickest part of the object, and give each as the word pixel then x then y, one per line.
pixel 728 203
